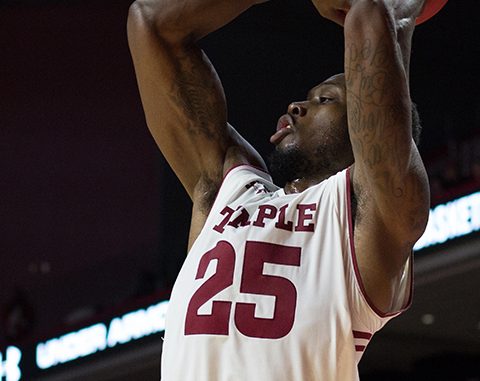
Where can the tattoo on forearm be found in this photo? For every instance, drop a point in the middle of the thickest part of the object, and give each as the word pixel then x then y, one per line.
pixel 197 95
pixel 375 114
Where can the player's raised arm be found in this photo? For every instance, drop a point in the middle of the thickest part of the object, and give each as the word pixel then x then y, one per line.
pixel 389 179
pixel 181 93
pixel 387 164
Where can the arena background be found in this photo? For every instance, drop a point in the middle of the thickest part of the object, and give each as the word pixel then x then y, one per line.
pixel 93 224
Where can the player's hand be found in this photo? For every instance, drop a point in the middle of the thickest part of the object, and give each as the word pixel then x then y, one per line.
pixel 334 10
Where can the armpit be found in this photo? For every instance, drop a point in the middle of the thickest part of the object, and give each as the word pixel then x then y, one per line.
pixel 206 192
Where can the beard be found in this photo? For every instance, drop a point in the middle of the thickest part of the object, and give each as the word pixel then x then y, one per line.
pixel 291 164
pixel 286 166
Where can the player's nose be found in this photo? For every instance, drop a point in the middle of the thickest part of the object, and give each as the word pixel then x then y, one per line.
pixel 297 109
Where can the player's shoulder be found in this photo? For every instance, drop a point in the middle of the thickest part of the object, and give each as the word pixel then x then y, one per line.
pixel 213 194
pixel 234 178
pixel 244 171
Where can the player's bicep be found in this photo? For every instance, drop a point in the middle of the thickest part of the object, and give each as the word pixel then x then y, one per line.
pixel 183 100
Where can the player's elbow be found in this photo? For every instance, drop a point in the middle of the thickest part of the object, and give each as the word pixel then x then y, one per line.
pixel 370 17
pixel 155 16
pixel 141 12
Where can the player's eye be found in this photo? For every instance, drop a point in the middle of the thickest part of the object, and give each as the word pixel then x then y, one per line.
pixel 323 100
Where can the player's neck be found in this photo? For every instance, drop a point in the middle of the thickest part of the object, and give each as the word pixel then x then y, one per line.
pixel 299 185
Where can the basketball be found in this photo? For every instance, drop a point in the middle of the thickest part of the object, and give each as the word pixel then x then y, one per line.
pixel 431 8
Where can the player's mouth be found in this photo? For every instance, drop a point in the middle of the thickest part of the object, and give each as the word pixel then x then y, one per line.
pixel 284 128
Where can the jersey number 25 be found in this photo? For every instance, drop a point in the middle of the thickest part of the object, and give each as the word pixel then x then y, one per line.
pixel 253 281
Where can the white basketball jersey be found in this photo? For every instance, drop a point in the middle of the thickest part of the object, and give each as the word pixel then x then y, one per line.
pixel 270 290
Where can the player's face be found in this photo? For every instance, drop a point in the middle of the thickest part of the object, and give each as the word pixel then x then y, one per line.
pixel 317 127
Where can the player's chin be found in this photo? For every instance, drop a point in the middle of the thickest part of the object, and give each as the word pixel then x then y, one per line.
pixel 287 144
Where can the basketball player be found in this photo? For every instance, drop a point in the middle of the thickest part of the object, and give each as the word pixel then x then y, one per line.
pixel 286 284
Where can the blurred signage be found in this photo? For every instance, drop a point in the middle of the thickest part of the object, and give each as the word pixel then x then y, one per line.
pixel 10 365
pixel 100 337
pixel 454 219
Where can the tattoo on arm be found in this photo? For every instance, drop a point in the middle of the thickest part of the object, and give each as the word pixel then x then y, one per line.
pixel 376 116
pixel 197 93
pixel 373 112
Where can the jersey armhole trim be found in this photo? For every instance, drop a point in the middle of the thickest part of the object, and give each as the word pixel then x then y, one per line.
pixel 358 276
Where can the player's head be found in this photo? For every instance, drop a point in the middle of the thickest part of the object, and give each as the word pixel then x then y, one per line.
pixel 312 138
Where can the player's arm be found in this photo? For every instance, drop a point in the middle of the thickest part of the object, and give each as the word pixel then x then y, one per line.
pixel 182 96
pixel 389 179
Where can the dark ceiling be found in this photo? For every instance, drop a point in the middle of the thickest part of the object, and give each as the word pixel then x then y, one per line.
pixel 86 200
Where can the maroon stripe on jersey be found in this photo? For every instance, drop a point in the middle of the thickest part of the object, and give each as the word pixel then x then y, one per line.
pixel 360 348
pixel 362 335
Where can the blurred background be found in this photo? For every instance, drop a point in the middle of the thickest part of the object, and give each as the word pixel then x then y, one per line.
pixel 93 224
